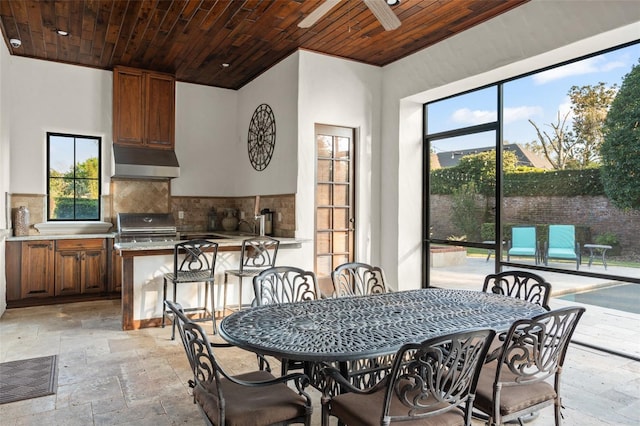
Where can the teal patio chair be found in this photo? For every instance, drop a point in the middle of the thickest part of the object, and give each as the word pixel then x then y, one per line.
pixel 523 242
pixel 562 244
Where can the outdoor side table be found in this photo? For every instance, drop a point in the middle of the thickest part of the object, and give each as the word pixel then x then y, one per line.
pixel 593 249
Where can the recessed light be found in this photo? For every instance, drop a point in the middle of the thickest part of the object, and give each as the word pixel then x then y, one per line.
pixel 62 33
pixel 393 2
pixel 226 65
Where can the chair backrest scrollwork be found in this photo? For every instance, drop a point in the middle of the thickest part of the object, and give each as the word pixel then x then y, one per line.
pixel 358 279
pixel 521 285
pixel 284 284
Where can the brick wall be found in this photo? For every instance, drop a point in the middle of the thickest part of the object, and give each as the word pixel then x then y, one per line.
pixel 595 212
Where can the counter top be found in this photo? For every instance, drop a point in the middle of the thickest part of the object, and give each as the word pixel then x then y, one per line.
pixel 61 237
pixel 223 240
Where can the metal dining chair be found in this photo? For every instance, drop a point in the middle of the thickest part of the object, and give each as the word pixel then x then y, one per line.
pixel 514 381
pixel 194 261
pixel 521 285
pixel 427 384
pixel 362 279
pixel 358 279
pixel 254 398
pixel 285 284
pixel 256 255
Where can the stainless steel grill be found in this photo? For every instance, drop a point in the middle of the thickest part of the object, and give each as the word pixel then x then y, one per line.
pixel 146 227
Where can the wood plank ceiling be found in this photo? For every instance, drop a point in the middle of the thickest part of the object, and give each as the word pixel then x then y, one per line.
pixel 192 39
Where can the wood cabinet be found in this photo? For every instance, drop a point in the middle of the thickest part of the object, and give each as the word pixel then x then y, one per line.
pixel 81 266
pixel 36 278
pixel 53 269
pixel 143 108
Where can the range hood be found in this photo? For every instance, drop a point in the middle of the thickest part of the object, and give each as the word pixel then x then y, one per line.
pixel 144 163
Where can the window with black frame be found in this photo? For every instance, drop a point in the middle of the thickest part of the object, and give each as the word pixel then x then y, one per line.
pixel 544 161
pixel 73 177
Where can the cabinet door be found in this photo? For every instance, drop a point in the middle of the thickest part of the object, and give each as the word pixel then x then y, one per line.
pixel 128 106
pixel 68 273
pixel 160 111
pixel 36 277
pixel 94 264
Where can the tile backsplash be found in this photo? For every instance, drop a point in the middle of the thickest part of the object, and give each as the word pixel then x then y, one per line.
pixel 196 211
pixel 153 196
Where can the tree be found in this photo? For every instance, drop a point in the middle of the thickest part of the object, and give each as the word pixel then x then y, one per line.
pixel 559 146
pixel 577 148
pixel 481 169
pixel 620 150
pixel 590 105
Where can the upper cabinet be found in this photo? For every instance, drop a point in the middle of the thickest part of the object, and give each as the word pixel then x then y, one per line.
pixel 143 108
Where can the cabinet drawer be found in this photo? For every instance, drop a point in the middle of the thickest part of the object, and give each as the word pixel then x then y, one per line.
pixel 81 244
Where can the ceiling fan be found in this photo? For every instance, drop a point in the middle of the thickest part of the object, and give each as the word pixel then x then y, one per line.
pixel 380 8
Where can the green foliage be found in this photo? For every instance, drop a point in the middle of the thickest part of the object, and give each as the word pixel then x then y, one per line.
pixel 84 209
pixel 607 238
pixel 488 231
pixel 590 105
pixel 467 214
pixel 479 169
pixel 528 182
pixel 560 183
pixel 621 147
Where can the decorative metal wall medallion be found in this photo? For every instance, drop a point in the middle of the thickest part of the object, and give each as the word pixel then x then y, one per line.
pixel 261 140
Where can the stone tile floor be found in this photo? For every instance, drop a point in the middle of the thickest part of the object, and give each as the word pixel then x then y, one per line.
pixel 111 377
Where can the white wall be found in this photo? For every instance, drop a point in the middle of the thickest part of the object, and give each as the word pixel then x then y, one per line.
pixel 278 88
pixel 53 97
pixel 534 35
pixel 341 93
pixel 5 114
pixel 205 140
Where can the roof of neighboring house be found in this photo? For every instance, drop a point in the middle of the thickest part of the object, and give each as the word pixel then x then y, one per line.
pixel 525 156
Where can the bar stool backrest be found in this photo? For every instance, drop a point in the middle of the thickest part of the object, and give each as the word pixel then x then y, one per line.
pixel 194 256
pixel 258 252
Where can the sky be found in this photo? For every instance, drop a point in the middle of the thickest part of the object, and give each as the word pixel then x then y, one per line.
pixel 538 97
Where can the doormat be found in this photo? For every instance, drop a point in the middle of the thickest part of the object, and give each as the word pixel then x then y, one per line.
pixel 28 378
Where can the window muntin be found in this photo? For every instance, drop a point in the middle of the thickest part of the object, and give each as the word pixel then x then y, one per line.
pixel 465 110
pixel 73 177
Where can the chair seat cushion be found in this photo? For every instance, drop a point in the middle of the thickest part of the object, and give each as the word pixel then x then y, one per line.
pixel 564 253
pixel 522 251
pixel 512 398
pixel 359 409
pixel 250 405
pixel 189 276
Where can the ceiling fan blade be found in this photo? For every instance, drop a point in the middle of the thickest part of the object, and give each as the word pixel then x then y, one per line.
pixel 383 12
pixel 318 13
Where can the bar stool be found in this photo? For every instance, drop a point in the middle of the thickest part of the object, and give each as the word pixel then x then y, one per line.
pixel 257 254
pixel 194 261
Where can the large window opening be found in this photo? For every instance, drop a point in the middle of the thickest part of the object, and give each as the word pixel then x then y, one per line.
pixel 73 177
pixel 529 174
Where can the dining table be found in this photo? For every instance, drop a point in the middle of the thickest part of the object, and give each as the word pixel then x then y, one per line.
pixel 348 329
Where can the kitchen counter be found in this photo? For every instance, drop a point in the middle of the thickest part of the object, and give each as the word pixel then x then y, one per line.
pixel 38 237
pixel 225 241
pixel 145 263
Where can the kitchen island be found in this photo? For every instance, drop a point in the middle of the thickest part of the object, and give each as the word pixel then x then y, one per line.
pixel 145 263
